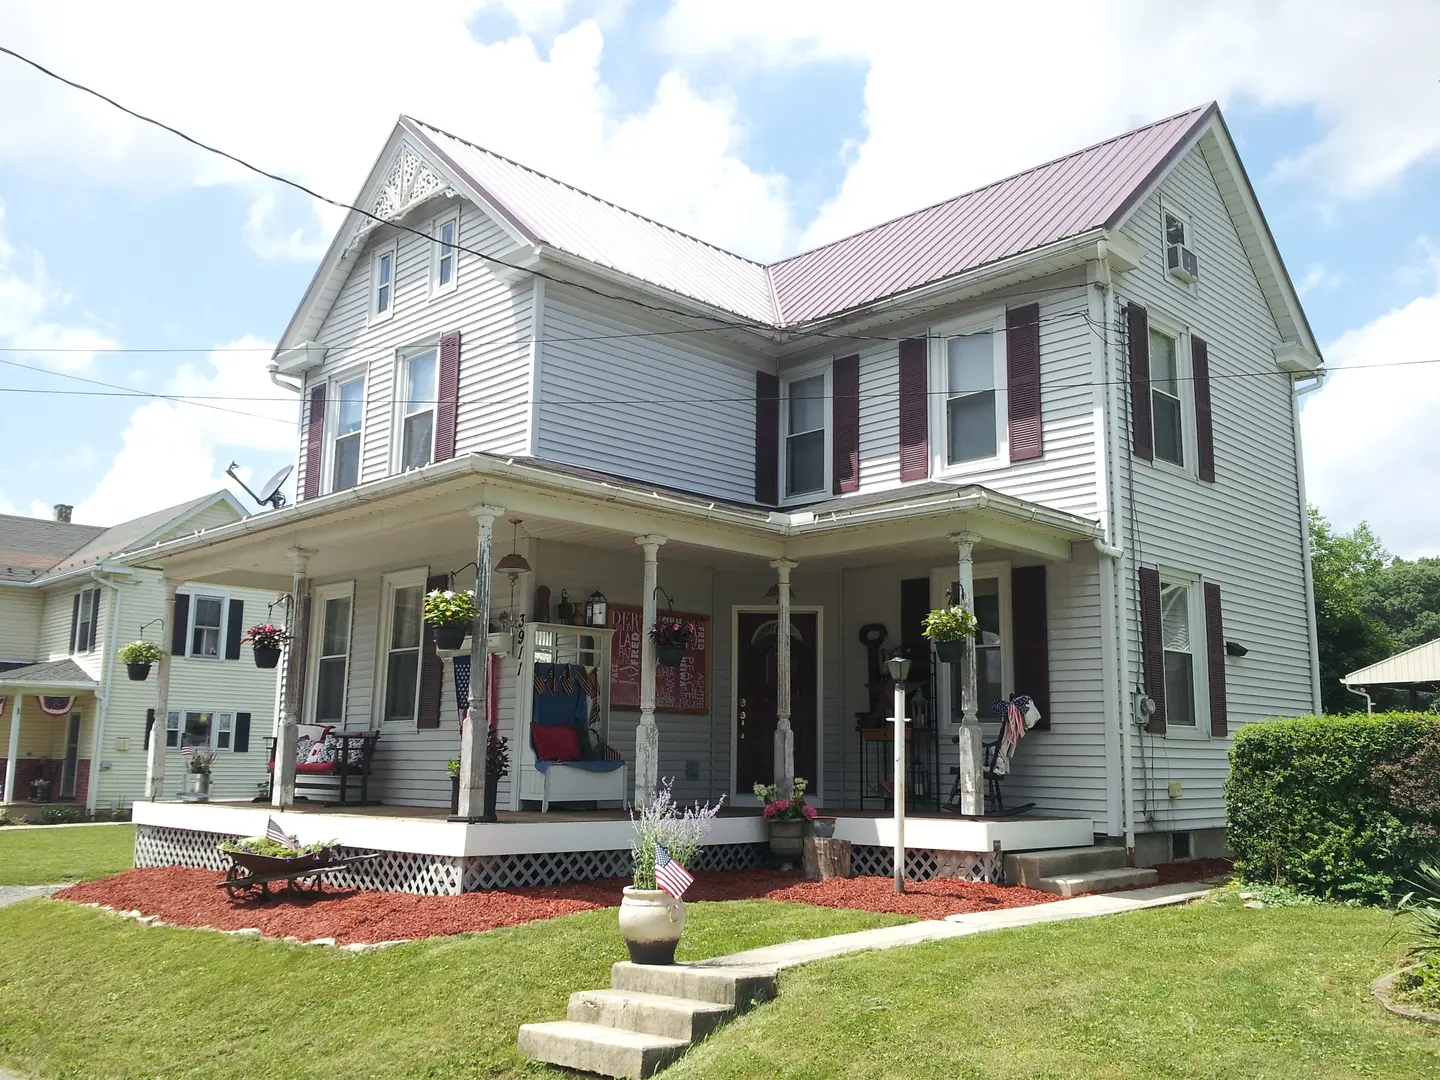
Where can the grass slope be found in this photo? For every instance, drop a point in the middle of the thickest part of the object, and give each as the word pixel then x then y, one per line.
pixel 56 853
pixel 1206 991
pixel 86 994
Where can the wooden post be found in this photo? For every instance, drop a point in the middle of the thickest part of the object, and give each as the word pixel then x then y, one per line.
pixel 14 748
pixel 155 758
pixel 475 733
pixel 647 735
pixel 282 784
pixel 898 780
pixel 784 734
pixel 970 738
pixel 826 857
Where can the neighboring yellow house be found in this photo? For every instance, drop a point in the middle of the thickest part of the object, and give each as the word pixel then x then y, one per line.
pixel 73 726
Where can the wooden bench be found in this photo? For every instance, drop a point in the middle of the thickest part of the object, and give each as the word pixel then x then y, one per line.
pixel 338 776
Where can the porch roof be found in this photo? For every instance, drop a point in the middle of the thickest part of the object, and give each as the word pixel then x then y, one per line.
pixel 53 677
pixel 426 510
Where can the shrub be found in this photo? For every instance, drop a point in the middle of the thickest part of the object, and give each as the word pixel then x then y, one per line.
pixel 59 815
pixel 1318 803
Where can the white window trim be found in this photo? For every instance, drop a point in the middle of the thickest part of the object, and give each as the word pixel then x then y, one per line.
pixel 75 649
pixel 215 714
pixel 938 382
pixel 402 395
pixel 940 580
pixel 321 595
pixel 436 248
pixel 393 250
pixel 1186 385
pixel 223 595
pixel 826 368
pixel 1199 653
pixel 398 579
pixel 1169 206
pixel 332 424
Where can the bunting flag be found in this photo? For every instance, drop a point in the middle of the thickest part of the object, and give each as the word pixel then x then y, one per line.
pixel 461 668
pixel 56 706
pixel 670 875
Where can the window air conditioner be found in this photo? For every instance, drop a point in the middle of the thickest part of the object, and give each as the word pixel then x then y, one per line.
pixel 1182 263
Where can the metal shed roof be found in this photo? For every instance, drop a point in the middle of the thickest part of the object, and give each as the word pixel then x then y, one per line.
pixel 1418 665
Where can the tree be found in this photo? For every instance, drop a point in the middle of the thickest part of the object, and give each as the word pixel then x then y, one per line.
pixel 1344 568
pixel 1405 596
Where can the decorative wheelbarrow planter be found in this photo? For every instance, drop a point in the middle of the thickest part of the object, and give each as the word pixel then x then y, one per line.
pixel 251 873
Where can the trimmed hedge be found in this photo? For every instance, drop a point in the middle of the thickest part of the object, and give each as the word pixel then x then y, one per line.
pixel 1342 807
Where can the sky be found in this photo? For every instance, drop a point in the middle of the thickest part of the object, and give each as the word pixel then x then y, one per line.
pixel 130 258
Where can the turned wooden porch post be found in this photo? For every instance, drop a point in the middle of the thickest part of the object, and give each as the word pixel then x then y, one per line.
pixel 282 780
pixel 647 735
pixel 475 732
pixel 155 758
pixel 970 739
pixel 784 734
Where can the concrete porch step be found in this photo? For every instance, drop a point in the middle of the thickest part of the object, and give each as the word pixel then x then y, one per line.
pixel 594 1048
pixel 687 1019
pixel 737 986
pixel 1093 881
pixel 1029 867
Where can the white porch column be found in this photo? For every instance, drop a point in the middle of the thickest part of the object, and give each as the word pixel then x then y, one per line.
pixel 784 734
pixel 155 760
pixel 647 735
pixel 13 751
pixel 970 739
pixel 282 786
pixel 475 732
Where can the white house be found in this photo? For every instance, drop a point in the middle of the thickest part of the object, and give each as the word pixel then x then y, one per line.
pixel 67 604
pixel 1067 399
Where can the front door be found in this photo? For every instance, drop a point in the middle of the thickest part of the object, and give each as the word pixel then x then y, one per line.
pixel 72 757
pixel 755 696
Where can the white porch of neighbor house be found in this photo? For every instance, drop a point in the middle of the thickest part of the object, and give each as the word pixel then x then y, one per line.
pixel 48 716
pixel 357 566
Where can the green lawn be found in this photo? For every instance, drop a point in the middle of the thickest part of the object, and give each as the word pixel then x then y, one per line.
pixel 1205 991
pixel 57 853
pixel 88 995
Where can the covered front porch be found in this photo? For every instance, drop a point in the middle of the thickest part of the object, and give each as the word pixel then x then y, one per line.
pixel 47 717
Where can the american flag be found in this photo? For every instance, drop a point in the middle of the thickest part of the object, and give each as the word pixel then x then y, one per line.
pixel 274 832
pixel 611 754
pixel 670 875
pixel 187 751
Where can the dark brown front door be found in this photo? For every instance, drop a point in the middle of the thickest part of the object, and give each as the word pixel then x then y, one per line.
pixel 755 696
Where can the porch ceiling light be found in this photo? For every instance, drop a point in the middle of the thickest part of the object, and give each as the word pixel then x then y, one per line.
pixel 514 563
pixel 773 593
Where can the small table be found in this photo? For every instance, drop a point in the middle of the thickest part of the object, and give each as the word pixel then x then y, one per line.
pixel 922 766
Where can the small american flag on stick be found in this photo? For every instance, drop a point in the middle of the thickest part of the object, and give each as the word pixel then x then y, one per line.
pixel 277 834
pixel 670 876
pixel 187 751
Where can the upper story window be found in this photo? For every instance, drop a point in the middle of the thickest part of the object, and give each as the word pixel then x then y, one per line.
pixel 1178 640
pixel 1165 397
pixel 806 415
pixel 206 624
pixel 382 282
pixel 971 420
pixel 418 393
pixel 347 419
pixel 85 614
pixel 443 253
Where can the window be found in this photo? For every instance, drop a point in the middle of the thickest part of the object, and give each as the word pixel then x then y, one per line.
pixel 405 596
pixel 382 283
pixel 205 626
pixel 332 650
pixel 443 253
pixel 806 410
pixel 970 417
pixel 1165 394
pixel 989 651
pixel 345 432
pixel 1179 655
pixel 1177 229
pixel 199 729
pixel 418 371
pixel 88 610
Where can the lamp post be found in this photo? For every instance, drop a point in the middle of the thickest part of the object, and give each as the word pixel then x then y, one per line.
pixel 899 668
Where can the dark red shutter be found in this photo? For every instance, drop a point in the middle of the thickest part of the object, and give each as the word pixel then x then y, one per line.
pixel 846 412
pixel 767 438
pixel 1022 359
pixel 432 670
pixel 1142 427
pixel 314 443
pixel 1030 631
pixel 1204 425
pixel 240 741
pixel 449 397
pixel 1215 660
pixel 1152 647
pixel 914 410
pixel 234 629
pixel 181 627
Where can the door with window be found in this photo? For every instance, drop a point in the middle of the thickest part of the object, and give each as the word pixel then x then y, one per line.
pixel 71 766
pixel 756 696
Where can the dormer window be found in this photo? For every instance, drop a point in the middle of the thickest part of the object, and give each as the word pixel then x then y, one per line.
pixel 382 283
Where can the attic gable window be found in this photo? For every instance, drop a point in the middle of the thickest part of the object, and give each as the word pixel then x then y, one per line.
pixel 382 283
pixel 443 253
pixel 1177 229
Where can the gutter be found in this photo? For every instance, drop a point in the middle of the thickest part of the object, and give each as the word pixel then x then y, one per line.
pixel 92 790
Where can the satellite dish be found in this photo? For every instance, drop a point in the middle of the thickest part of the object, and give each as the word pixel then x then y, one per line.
pixel 270 492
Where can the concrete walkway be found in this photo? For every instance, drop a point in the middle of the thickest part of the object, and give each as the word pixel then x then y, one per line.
pixel 13 894
pixel 794 953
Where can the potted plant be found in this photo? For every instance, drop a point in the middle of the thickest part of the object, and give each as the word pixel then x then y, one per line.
pixel 137 656
pixel 672 637
pixel 197 773
pixel 787 813
pixel 497 767
pixel 267 640
pixel 948 628
pixel 451 615
pixel 652 915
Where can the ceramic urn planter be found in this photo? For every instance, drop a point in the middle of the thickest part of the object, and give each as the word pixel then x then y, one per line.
pixel 651 922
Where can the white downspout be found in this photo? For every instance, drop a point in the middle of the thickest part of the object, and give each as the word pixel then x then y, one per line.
pixel 1296 393
pixel 1369 705
pixel 97 747
pixel 282 382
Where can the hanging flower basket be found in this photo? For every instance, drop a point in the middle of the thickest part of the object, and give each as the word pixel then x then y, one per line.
pixel 949 629
pixel 137 672
pixel 266 658
pixel 669 655
pixel 950 652
pixel 137 656
pixel 451 635
pixel 672 637
pixel 266 640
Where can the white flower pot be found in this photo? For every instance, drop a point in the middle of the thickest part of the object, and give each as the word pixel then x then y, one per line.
pixel 651 922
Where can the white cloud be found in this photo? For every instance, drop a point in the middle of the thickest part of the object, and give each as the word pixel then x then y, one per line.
pixel 170 451
pixel 1318 277
pixel 1371 436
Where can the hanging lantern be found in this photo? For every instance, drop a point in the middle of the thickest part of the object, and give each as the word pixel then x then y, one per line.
pixel 596 610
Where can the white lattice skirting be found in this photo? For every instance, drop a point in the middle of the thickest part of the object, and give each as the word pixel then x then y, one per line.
pixel 922 864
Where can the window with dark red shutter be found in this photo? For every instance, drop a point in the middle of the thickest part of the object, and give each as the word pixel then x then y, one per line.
pixel 914 410
pixel 1142 429
pixel 448 393
pixel 1030 631
pixel 1204 424
pixel 1152 647
pixel 1215 661
pixel 767 438
pixel 1022 358
pixel 432 669
pixel 314 443
pixel 845 379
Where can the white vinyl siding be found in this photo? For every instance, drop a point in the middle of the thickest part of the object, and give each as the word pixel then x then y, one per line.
pixel 20 613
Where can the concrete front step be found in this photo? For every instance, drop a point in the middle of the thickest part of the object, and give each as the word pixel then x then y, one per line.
pixel 653 1014
pixel 737 986
pixel 1093 881
pixel 594 1048
pixel 1029 867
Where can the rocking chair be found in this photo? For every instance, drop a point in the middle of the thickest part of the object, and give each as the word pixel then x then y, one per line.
pixel 993 768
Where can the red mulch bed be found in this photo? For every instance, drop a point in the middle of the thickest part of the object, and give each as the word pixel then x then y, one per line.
pixel 185 897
